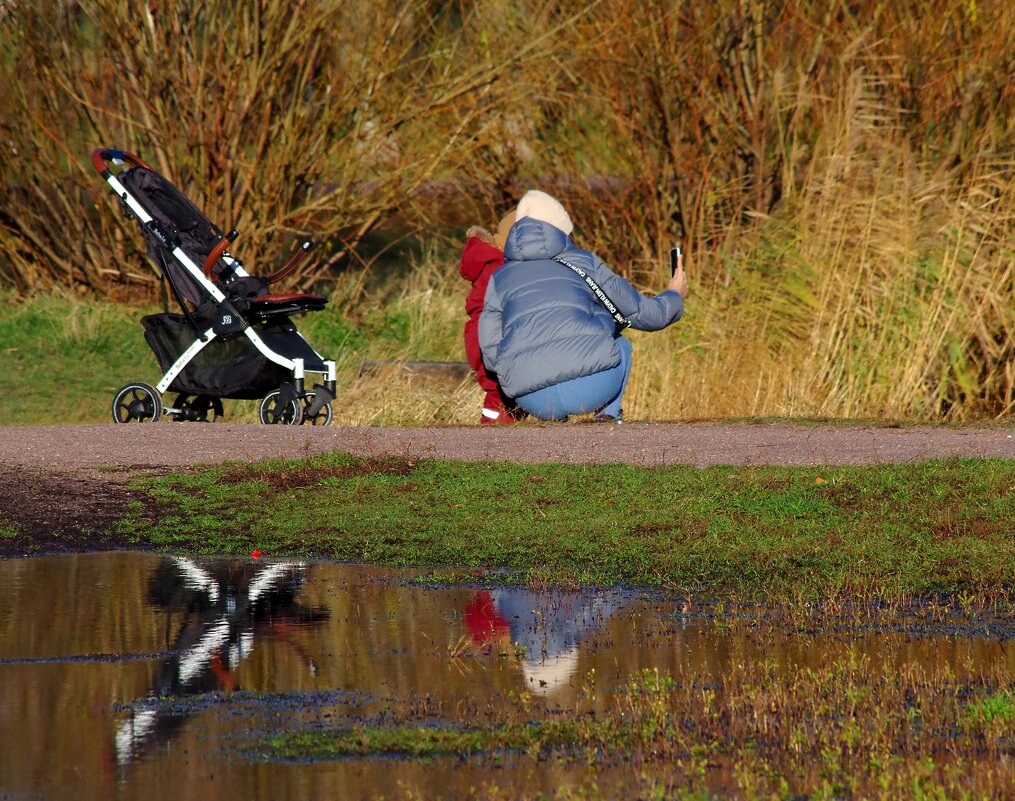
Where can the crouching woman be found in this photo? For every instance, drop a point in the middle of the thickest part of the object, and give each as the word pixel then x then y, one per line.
pixel 554 345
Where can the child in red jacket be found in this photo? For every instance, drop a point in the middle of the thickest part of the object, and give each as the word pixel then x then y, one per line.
pixel 483 255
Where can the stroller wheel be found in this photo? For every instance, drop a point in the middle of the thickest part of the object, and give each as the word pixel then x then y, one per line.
pixel 321 418
pixel 137 403
pixel 200 408
pixel 273 413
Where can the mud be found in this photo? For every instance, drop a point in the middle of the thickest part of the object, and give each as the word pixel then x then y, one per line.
pixel 58 512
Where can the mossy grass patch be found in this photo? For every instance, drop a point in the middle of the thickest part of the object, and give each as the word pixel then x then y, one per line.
pixel 880 531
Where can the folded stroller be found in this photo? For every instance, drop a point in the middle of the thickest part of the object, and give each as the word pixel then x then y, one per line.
pixel 233 338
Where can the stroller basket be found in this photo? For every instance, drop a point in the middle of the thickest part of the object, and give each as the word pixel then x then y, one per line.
pixel 231 368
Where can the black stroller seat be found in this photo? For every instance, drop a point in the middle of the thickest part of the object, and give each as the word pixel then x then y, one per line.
pixel 203 241
pixel 234 338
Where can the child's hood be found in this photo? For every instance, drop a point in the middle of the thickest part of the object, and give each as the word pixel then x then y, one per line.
pixel 476 256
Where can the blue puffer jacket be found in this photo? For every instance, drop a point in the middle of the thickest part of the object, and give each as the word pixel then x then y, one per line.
pixel 541 324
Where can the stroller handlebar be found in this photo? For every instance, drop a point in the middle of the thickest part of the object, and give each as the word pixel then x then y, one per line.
pixel 102 155
pixel 293 262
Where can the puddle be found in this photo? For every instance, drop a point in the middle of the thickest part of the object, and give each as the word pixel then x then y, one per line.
pixel 126 675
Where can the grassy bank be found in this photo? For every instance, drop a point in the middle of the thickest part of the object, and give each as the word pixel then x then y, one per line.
pixel 62 357
pixel 777 533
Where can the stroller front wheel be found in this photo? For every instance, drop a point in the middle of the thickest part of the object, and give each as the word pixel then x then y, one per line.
pixel 137 402
pixel 272 412
pixel 321 418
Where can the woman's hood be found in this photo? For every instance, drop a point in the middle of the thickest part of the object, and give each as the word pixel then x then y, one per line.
pixel 531 240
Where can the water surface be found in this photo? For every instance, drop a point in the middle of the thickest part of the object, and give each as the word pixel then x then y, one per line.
pixel 129 675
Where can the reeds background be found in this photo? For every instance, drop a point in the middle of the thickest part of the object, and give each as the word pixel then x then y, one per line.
pixel 841 176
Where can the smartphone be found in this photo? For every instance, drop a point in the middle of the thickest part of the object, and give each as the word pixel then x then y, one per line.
pixel 674 260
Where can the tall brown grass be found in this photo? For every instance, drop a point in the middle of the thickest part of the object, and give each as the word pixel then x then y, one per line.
pixel 841 175
pixel 876 293
pixel 279 118
pixel 710 113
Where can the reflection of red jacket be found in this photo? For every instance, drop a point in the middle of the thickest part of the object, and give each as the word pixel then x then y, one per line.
pixel 479 261
pixel 482 619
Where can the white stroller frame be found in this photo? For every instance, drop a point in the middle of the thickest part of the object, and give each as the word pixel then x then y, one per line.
pixel 274 405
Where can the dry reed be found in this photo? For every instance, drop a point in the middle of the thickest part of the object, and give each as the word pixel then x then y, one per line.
pixel 841 177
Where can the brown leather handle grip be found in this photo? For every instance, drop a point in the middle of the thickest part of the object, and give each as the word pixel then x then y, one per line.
pixel 218 250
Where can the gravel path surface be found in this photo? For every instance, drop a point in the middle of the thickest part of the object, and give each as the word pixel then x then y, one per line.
pixel 85 447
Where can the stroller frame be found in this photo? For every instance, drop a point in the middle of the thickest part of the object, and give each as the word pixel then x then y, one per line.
pixel 233 316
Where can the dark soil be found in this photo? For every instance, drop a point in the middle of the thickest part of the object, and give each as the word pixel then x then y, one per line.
pixel 62 512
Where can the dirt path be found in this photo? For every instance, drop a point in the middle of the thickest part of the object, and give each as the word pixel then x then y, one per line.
pixel 69 448
pixel 63 486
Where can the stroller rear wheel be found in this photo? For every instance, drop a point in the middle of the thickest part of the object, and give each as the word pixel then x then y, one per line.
pixel 137 402
pixel 272 412
pixel 199 408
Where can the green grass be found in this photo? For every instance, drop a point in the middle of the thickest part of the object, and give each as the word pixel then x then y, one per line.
pixel 885 531
pixel 424 741
pixel 997 708
pixel 62 357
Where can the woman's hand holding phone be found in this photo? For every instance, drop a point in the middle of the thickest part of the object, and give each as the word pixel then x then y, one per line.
pixel 678 282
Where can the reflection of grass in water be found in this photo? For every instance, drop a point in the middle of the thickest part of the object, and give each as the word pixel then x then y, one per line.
pixel 423 741
pixel 843 534
pixel 998 708
pixel 847 728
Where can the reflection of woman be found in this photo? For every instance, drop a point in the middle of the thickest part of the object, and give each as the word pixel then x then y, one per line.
pixel 545 628
pixel 550 340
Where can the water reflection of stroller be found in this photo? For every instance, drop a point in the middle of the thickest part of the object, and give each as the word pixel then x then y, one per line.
pixel 233 339
pixel 226 607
